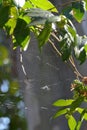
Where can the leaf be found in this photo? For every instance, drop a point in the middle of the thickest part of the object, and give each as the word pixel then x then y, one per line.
pixel 41 21
pixel 66 11
pixel 85 47
pixel 44 35
pixel 26 19
pixel 85 4
pixel 85 116
pixel 36 12
pixel 38 16
pixel 80 120
pixel 72 34
pixel 0 1
pixel 82 56
pixel 71 122
pixel 80 110
pixel 44 4
pixel 53 19
pixel 62 102
pixel 27 5
pixel 81 48
pixel 11 23
pixel 78 10
pixel 75 104
pixel 66 51
pixel 21 34
pixel 4 18
pixel 60 112
pixel 78 125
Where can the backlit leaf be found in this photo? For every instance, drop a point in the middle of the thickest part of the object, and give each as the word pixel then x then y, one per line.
pixel 71 122
pixel 85 4
pixel 85 47
pixel 27 5
pixel 11 23
pixel 62 102
pixel 60 112
pixel 44 4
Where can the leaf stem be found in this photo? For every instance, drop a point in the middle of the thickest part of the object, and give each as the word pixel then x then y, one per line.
pixel 55 48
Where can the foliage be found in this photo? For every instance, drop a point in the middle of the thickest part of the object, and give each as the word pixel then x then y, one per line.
pixel 71 106
pixel 20 19
pixel 11 100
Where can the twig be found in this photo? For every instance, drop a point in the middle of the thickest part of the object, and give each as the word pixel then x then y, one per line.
pixel 54 47
pixel 53 34
pixel 76 72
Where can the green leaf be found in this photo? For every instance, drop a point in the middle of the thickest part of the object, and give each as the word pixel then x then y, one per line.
pixel 4 15
pixel 75 104
pixel 38 16
pixel 11 23
pixel 37 13
pixel 81 48
pixel 72 34
pixel 82 56
pixel 85 4
pixel 85 116
pixel 66 51
pixel 44 4
pixel 66 11
pixel 79 123
pixel 26 19
pixel 62 22
pixel 60 112
pixel 71 122
pixel 22 34
pixel 78 10
pixel 62 102
pixel 0 1
pixel 44 35
pixel 80 110
pixel 27 5
pixel 85 47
